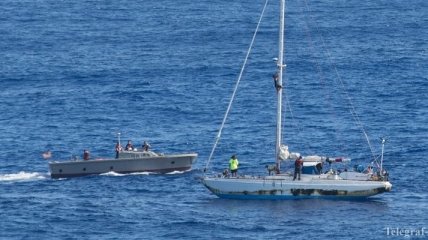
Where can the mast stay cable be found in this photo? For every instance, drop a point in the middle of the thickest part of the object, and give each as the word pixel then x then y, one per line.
pixel 236 88
pixel 338 78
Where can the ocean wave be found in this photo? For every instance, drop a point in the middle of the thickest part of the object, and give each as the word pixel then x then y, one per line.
pixel 23 176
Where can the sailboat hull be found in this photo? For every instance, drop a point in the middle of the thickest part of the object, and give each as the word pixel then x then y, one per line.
pixel 286 188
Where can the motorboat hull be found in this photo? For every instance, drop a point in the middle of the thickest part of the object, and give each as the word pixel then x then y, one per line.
pixel 158 164
pixel 285 188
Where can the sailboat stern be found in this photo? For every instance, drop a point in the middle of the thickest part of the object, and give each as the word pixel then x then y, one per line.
pixel 241 188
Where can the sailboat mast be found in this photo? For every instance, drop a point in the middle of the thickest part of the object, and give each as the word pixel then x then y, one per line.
pixel 280 65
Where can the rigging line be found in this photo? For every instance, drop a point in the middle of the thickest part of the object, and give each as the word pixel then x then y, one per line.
pixel 322 80
pixel 236 87
pixel 352 108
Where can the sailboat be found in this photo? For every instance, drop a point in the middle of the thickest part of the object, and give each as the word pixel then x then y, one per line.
pixel 313 183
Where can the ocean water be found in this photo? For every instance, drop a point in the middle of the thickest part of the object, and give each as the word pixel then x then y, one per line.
pixel 74 73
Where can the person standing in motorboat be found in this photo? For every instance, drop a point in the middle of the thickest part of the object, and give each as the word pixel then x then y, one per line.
pixel 86 155
pixel 118 149
pixel 298 167
pixel 146 146
pixel 233 166
pixel 129 146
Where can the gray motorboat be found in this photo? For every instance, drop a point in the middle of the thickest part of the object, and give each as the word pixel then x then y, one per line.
pixel 127 162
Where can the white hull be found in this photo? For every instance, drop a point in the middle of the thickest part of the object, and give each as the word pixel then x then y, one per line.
pixel 283 187
pixel 349 185
pixel 159 164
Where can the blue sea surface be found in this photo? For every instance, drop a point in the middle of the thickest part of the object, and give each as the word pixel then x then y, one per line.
pixel 75 73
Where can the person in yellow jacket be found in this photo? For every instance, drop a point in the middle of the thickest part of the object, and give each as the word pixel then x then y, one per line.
pixel 233 166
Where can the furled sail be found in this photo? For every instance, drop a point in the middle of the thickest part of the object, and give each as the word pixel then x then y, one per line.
pixel 284 154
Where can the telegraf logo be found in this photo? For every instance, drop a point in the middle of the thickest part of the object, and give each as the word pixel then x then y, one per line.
pixel 406 232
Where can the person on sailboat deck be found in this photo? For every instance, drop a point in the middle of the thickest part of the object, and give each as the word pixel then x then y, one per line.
pixel 298 167
pixel 118 149
pixel 86 155
pixel 146 146
pixel 319 168
pixel 233 165
pixel 129 146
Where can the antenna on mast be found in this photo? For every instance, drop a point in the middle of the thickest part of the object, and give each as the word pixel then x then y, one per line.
pixel 118 138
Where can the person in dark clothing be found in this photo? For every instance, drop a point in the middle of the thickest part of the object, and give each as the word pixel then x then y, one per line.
pixel 129 146
pixel 319 167
pixel 146 146
pixel 298 167
pixel 86 155
pixel 276 81
pixel 118 149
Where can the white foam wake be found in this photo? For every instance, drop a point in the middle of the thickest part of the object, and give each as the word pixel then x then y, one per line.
pixel 111 173
pixel 176 172
pixel 115 174
pixel 142 173
pixel 22 176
